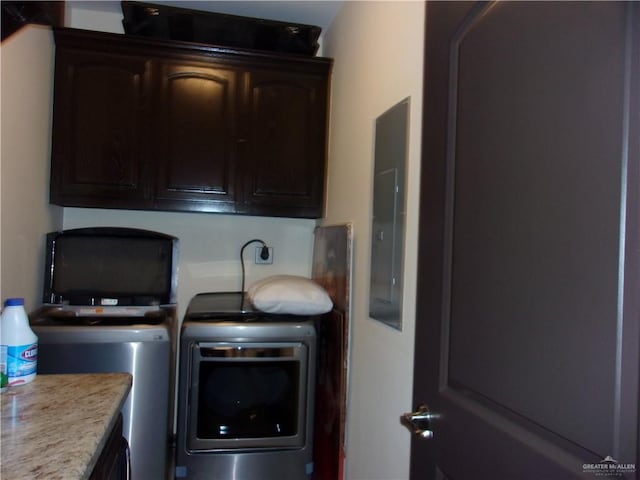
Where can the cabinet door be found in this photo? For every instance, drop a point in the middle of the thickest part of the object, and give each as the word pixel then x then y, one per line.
pixel 196 137
pixel 284 153
pixel 99 129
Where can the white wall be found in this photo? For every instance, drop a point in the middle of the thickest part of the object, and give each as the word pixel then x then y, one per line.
pixel 27 83
pixel 103 17
pixel 378 52
pixel 210 245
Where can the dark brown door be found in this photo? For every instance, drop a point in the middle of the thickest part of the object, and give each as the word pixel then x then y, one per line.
pixel 284 154
pixel 196 145
pixel 100 121
pixel 529 259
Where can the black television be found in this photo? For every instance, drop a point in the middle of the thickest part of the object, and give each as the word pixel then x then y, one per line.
pixel 110 266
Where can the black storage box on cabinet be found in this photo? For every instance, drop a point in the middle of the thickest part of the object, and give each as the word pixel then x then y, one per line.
pixel 174 23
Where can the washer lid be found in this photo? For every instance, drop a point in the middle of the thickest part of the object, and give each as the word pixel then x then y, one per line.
pixel 89 316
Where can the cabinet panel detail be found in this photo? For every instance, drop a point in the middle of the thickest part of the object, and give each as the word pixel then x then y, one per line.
pixel 99 118
pixel 286 141
pixel 197 133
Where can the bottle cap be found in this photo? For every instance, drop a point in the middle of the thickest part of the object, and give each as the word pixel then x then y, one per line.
pixel 13 302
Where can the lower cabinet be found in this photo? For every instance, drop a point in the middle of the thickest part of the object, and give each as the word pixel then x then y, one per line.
pixel 113 463
pixel 151 124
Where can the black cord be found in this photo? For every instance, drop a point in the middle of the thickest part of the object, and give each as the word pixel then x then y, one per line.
pixel 264 254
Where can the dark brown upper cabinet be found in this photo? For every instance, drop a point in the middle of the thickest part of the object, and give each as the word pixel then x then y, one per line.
pixel 282 168
pixel 101 113
pixel 196 145
pixel 152 124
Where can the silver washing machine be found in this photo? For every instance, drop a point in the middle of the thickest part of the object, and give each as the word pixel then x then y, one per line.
pixel 109 305
pixel 120 344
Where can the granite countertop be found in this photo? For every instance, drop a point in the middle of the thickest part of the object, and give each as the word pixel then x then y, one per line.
pixel 56 426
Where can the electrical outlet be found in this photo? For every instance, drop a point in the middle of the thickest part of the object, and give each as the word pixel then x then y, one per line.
pixel 260 261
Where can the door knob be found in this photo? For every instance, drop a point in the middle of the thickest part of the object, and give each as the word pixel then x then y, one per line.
pixel 418 422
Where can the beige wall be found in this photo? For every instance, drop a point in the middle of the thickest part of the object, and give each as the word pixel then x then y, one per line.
pixel 210 245
pixel 105 17
pixel 27 82
pixel 378 52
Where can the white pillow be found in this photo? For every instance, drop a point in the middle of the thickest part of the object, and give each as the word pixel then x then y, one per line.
pixel 289 294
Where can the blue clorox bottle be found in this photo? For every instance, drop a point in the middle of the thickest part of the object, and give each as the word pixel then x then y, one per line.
pixel 20 341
